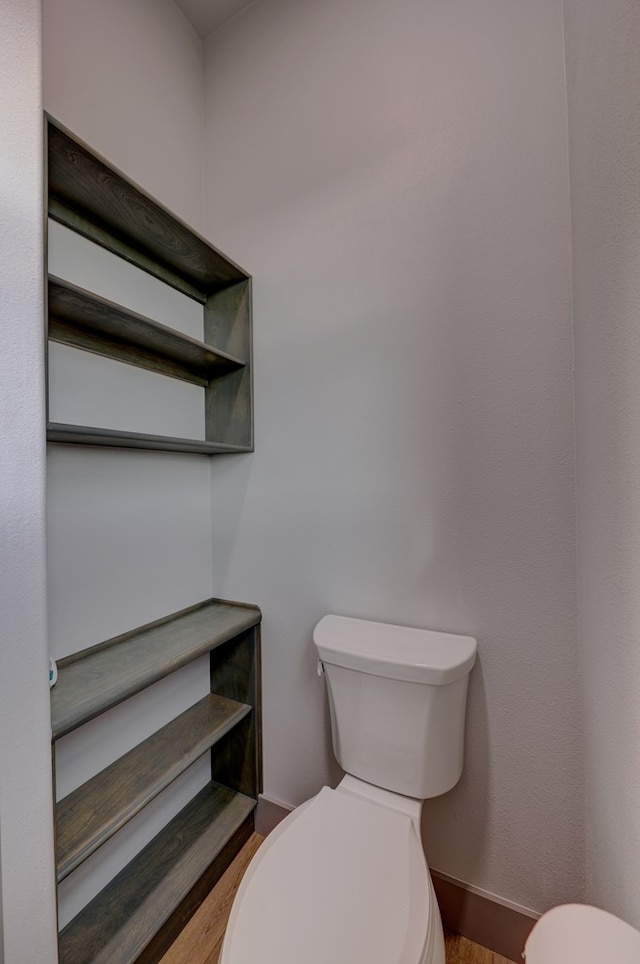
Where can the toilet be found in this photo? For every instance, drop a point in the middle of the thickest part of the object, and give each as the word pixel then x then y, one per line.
pixel 343 879
pixel 580 934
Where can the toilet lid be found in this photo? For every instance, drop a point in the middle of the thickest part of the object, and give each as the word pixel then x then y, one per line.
pixel 345 882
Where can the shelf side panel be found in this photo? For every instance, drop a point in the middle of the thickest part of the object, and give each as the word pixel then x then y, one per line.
pixel 236 760
pixel 229 399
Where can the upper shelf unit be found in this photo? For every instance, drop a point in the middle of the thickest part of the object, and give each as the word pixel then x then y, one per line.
pixel 91 197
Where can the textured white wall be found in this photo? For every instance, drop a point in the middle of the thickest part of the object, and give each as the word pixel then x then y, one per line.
pixel 26 833
pixel 122 553
pixel 603 72
pixel 127 77
pixel 129 533
pixel 396 178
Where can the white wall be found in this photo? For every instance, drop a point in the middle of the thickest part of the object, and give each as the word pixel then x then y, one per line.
pixel 395 176
pixel 129 533
pixel 603 72
pixel 27 933
pixel 127 78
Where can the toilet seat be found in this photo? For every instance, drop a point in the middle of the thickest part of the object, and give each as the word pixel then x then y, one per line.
pixel 341 880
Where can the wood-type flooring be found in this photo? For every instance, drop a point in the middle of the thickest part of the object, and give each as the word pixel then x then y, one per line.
pixel 201 940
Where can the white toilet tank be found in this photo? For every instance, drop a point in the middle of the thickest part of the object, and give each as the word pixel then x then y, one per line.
pixel 397 698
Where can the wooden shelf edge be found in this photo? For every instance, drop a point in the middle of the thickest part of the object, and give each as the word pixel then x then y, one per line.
pixel 91 814
pixel 98 234
pixel 125 917
pixel 94 198
pixel 111 438
pixel 84 320
pixel 94 680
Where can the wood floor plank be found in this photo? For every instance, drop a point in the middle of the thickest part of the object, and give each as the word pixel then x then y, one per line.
pixel 460 950
pixel 201 940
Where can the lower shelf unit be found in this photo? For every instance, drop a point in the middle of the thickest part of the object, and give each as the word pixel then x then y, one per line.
pixel 140 912
pixel 125 921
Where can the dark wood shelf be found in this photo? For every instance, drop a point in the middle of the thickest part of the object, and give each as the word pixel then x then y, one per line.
pixel 141 911
pixel 92 813
pixel 120 923
pixel 90 196
pixel 84 320
pixel 112 438
pixel 94 199
pixel 96 679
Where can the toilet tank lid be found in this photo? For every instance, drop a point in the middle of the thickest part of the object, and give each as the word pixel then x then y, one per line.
pixel 395 652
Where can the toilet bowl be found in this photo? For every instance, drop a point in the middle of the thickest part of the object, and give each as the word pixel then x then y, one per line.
pixel 579 934
pixel 344 879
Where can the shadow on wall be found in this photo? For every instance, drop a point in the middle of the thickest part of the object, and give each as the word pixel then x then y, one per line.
pixel 451 811
pixel 605 144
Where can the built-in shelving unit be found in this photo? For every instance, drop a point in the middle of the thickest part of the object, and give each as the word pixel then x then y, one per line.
pixel 130 920
pixel 141 910
pixel 138 914
pixel 91 197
